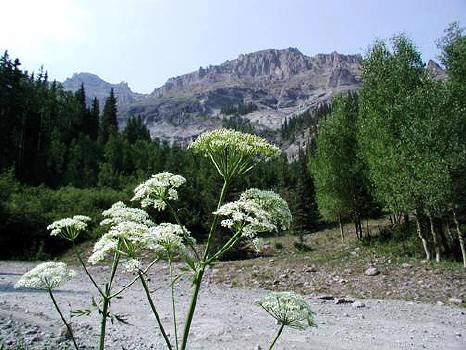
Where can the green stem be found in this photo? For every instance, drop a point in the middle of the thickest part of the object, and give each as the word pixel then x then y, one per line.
pixel 213 227
pixel 227 246
pixel 192 307
pixel 103 321
pixel 106 299
pixel 116 260
pixel 200 273
pixel 276 337
pixel 177 219
pixel 68 326
pixel 133 281
pixel 154 310
pixel 76 252
pixel 172 287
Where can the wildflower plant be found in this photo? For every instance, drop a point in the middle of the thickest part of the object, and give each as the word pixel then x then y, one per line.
pixel 156 191
pixel 130 231
pixel 48 276
pixel 69 228
pixel 289 310
pixel 119 212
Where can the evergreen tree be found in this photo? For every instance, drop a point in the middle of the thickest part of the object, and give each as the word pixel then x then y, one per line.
pixel 94 117
pixel 109 124
pixel 136 130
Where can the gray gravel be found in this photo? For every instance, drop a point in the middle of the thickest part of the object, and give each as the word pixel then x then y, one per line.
pixel 225 318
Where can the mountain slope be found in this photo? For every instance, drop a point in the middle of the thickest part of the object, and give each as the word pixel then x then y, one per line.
pixel 279 83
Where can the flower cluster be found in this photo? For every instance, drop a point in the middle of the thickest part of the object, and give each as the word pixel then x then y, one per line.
pixel 119 212
pixel 246 216
pixel 48 275
pixel 158 189
pixel 233 152
pixel 273 204
pixel 69 228
pixel 288 309
pixel 167 238
pixel 127 237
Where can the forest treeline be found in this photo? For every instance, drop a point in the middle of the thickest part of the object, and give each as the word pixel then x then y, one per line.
pixel 401 141
pixel 60 157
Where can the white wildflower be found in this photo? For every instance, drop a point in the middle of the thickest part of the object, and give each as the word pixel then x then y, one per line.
pixel 119 212
pixel 69 228
pixel 158 190
pixel 127 237
pixel 288 309
pixel 273 204
pixel 106 244
pixel 247 216
pixel 48 275
pixel 131 265
pixel 168 238
pixel 233 152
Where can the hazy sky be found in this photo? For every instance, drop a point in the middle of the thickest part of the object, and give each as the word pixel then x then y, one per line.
pixel 144 42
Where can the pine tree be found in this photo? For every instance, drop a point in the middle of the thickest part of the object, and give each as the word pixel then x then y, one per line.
pixel 109 123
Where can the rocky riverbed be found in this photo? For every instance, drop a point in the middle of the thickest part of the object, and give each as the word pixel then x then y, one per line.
pixel 225 318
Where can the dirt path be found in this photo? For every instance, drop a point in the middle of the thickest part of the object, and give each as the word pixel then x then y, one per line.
pixel 225 319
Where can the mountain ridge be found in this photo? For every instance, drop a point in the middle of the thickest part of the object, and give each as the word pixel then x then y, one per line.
pixel 280 83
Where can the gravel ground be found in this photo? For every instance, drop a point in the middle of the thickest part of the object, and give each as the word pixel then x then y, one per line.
pixel 225 318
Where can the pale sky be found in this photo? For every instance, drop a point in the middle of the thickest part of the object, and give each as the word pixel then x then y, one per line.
pixel 145 42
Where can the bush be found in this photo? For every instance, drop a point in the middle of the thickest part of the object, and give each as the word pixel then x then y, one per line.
pixel 25 213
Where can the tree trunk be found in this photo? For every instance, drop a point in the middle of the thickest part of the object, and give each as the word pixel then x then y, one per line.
pixel 460 238
pixel 434 238
pixel 446 224
pixel 421 234
pixel 341 228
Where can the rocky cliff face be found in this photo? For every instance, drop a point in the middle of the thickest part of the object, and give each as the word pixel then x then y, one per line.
pixel 279 82
pixel 436 71
pixel 96 87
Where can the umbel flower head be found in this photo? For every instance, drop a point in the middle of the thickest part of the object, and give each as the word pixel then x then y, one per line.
pixel 119 212
pixel 48 275
pixel 273 204
pixel 288 309
pixel 246 216
pixel 69 228
pixel 168 239
pixel 127 237
pixel 158 189
pixel 233 152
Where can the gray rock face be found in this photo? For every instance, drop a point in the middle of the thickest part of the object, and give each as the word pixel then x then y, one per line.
pixel 436 71
pixel 280 83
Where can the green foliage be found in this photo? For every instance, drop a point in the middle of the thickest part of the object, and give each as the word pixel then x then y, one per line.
pixel 136 130
pixel 26 211
pixel 338 171
pixel 307 120
pixel 109 124
pixel 395 242
pixel 389 79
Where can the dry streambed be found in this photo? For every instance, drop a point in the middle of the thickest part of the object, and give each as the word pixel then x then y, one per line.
pixel 225 318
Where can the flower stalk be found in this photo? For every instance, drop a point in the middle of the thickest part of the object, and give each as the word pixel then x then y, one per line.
pixel 68 325
pixel 272 344
pixel 154 310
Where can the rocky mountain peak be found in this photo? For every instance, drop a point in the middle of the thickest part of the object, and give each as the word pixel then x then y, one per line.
pixel 99 88
pixel 436 71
